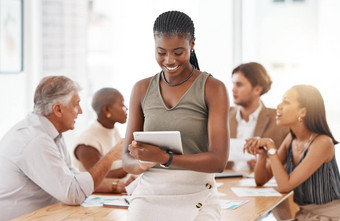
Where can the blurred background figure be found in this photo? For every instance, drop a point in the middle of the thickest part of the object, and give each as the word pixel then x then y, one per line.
pixel 250 117
pixel 101 136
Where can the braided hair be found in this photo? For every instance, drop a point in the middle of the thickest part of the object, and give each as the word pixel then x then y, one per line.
pixel 176 23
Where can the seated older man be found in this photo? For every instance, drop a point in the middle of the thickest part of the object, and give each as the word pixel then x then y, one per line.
pixel 35 164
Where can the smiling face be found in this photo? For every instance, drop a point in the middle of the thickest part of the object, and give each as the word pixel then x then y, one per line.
pixel 289 110
pixel 244 93
pixel 70 113
pixel 173 55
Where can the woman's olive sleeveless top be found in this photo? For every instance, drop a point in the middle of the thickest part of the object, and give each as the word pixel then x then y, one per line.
pixel 189 116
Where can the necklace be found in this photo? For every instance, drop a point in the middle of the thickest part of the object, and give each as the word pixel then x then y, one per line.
pixel 173 85
pixel 301 146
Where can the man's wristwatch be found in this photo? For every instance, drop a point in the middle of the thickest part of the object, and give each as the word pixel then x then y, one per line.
pixel 272 151
pixel 114 186
pixel 167 164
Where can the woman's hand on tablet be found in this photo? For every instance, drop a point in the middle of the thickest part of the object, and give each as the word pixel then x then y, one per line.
pixel 146 152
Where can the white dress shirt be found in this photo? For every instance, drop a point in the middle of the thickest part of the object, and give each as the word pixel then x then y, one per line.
pixel 245 129
pixel 36 169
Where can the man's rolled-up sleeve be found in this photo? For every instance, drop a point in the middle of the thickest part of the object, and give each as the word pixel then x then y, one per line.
pixel 84 181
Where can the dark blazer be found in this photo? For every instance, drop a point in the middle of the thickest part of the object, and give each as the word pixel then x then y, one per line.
pixel 265 126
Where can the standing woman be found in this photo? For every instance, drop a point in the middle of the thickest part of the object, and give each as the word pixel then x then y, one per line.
pixel 308 152
pixel 181 98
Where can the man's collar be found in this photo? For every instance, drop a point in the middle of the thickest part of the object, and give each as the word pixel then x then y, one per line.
pixel 49 127
pixel 252 116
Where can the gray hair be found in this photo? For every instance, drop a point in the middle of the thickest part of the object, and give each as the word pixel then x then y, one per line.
pixel 52 90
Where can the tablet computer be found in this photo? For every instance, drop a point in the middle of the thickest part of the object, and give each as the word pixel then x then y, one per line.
pixel 166 140
pixel 226 174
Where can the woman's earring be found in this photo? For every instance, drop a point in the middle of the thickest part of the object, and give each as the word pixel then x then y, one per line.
pixel 300 118
pixel 108 115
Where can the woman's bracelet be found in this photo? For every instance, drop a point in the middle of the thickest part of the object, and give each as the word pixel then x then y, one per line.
pixel 167 164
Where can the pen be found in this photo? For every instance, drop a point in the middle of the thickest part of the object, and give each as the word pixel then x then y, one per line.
pixel 127 201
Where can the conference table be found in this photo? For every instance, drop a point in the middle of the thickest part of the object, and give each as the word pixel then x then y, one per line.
pixel 254 209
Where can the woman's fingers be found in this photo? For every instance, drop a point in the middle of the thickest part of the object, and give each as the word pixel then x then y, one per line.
pixel 145 152
pixel 134 150
pixel 252 145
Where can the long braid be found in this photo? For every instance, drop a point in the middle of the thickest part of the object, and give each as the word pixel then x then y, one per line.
pixel 193 60
pixel 176 23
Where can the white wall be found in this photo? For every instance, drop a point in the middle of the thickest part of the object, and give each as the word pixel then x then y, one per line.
pixel 328 72
pixel 297 42
pixel 16 89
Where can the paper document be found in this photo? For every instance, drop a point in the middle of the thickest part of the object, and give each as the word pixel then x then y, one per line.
pixel 232 204
pixel 237 156
pixel 100 200
pixel 251 182
pixel 242 192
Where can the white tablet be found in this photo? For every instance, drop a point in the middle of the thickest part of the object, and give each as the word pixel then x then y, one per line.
pixel 166 140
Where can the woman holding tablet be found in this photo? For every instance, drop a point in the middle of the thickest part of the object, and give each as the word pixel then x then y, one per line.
pixel 179 98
